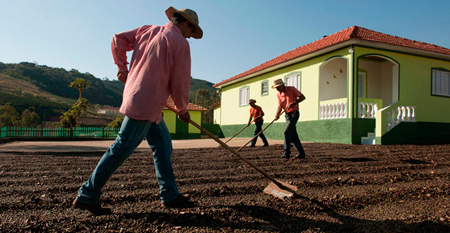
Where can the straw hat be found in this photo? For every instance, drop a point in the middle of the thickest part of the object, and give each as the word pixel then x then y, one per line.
pixel 277 83
pixel 250 101
pixel 188 14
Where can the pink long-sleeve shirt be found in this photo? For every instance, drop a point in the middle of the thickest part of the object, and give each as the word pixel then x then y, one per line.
pixel 160 66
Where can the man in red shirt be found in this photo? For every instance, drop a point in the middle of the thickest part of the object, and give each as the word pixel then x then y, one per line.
pixel 160 66
pixel 288 99
pixel 256 113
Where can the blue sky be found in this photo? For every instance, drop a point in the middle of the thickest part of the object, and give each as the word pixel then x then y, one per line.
pixel 238 34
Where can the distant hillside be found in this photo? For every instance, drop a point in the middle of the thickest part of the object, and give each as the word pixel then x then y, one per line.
pixel 56 82
pixel 200 84
pixel 45 89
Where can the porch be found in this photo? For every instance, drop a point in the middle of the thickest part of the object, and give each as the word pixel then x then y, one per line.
pixel 384 119
pixel 366 92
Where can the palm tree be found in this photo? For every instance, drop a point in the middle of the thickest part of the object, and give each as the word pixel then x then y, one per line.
pixel 80 84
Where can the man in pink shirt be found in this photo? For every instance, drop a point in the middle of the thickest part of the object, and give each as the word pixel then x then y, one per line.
pixel 160 66
pixel 288 99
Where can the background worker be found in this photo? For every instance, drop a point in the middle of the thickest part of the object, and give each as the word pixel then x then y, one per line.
pixel 288 99
pixel 160 66
pixel 256 113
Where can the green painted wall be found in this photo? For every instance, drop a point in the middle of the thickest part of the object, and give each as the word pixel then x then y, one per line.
pixel 214 129
pixel 179 129
pixel 170 120
pixel 196 116
pixel 340 131
pixel 360 129
pixel 230 130
pixel 182 131
pixel 333 131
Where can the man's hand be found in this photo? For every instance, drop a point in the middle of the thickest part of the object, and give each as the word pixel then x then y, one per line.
pixel 277 117
pixel 185 117
pixel 292 104
pixel 122 76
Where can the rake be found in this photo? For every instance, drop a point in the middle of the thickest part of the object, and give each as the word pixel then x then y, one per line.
pixel 275 188
pixel 260 132
pixel 242 129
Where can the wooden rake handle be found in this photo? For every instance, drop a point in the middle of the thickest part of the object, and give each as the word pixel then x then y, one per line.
pixel 260 131
pixel 237 133
pixel 232 150
pixel 242 129
pixel 235 153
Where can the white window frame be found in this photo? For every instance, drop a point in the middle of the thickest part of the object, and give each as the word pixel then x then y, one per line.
pixel 265 87
pixel 440 83
pixel 293 80
pixel 244 96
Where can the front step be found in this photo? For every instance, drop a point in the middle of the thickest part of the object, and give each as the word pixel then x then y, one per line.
pixel 369 140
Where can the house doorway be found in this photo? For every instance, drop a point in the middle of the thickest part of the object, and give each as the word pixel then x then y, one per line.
pixel 377 84
pixel 377 80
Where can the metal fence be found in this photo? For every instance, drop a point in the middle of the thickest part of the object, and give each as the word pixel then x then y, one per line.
pixel 76 132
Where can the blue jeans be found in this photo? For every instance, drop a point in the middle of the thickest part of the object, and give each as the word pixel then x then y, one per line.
pixel 290 134
pixel 129 137
pixel 258 128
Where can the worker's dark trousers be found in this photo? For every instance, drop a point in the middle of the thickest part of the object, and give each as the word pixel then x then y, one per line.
pixel 258 128
pixel 290 134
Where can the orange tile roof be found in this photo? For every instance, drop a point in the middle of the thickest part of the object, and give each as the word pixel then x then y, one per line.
pixel 190 107
pixel 216 104
pixel 347 34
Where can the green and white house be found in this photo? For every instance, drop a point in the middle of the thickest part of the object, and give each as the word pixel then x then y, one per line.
pixel 179 129
pixel 361 87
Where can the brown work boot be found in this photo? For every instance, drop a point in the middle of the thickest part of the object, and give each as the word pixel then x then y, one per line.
pixel 180 201
pixel 95 209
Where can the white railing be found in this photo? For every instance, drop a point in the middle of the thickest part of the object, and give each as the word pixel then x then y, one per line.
pixel 400 114
pixel 333 111
pixel 367 110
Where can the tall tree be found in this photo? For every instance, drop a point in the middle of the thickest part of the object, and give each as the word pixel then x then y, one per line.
pixel 72 118
pixel 203 98
pixel 9 116
pixel 29 119
pixel 80 84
